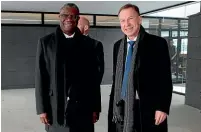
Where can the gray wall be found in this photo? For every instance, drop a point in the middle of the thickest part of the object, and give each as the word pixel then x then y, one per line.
pixel 19 48
pixel 193 83
pixel 108 37
pixel 18 56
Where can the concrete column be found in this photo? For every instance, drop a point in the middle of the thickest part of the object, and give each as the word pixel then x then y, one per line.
pixel 193 82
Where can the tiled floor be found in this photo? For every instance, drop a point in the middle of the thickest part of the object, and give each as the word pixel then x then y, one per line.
pixel 18 113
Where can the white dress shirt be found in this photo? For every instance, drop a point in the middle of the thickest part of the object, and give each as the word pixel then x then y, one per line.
pixel 67 36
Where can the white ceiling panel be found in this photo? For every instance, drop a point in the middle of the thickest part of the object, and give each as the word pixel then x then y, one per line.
pixel 89 7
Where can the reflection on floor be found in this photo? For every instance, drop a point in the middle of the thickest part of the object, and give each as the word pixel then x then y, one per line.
pixel 19 115
pixel 181 88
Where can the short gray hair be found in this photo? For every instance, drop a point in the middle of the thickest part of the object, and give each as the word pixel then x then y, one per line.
pixel 134 7
pixel 71 5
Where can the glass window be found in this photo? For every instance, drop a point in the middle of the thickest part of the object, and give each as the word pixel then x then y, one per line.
pixel 169 24
pixel 107 21
pixel 183 33
pixel 53 18
pixel 154 32
pixel 182 61
pixel 172 43
pixel 165 34
pixel 20 18
pixel 184 44
pixel 184 24
pixel 150 23
pixel 174 33
pixel 175 43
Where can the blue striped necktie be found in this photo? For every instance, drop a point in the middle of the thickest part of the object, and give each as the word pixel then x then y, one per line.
pixel 127 69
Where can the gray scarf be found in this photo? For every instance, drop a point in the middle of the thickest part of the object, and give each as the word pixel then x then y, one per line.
pixel 130 96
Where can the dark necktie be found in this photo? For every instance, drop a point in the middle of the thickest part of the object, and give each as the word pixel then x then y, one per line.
pixel 127 69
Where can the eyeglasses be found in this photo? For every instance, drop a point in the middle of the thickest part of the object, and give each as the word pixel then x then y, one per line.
pixel 65 16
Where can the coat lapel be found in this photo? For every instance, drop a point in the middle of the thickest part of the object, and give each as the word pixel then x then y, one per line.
pixel 125 52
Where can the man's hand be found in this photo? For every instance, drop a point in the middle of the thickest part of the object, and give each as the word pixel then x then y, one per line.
pixel 95 117
pixel 44 118
pixel 160 117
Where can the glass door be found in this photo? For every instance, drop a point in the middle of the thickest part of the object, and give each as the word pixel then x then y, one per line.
pixel 173 46
pixel 183 59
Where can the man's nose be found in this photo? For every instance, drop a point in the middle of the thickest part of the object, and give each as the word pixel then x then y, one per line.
pixel 68 19
pixel 127 23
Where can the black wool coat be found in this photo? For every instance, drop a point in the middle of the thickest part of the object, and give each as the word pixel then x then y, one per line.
pixel 83 75
pixel 152 78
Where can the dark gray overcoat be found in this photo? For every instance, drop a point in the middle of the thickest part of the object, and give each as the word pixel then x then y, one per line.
pixel 52 76
pixel 152 78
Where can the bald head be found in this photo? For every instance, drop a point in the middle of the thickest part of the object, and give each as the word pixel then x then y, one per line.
pixel 83 25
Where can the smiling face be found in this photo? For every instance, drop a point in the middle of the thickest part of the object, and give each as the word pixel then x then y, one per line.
pixel 68 17
pixel 130 22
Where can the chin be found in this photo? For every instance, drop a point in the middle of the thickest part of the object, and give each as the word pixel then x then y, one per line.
pixel 129 34
pixel 68 29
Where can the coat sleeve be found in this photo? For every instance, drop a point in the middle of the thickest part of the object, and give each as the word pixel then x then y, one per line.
pixel 41 80
pixel 97 100
pixel 100 58
pixel 99 63
pixel 165 80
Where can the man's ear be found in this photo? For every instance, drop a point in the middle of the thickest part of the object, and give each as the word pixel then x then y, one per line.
pixel 86 27
pixel 140 20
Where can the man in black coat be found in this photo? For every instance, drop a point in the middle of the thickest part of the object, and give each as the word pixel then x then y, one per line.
pixel 67 77
pixel 142 86
pixel 84 25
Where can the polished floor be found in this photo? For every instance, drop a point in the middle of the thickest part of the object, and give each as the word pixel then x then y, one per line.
pixel 181 88
pixel 18 113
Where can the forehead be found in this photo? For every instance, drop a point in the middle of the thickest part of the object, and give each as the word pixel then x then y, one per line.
pixel 127 13
pixel 82 20
pixel 69 10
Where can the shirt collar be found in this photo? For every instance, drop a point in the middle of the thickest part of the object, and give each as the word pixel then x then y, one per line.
pixel 132 40
pixel 67 36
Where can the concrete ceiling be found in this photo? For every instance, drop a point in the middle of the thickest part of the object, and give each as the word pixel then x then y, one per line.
pixel 89 7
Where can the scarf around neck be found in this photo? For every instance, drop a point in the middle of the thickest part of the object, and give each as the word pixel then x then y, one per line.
pixel 128 121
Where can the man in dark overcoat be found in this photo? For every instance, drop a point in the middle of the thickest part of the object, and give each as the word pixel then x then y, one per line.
pixel 84 26
pixel 67 85
pixel 142 86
